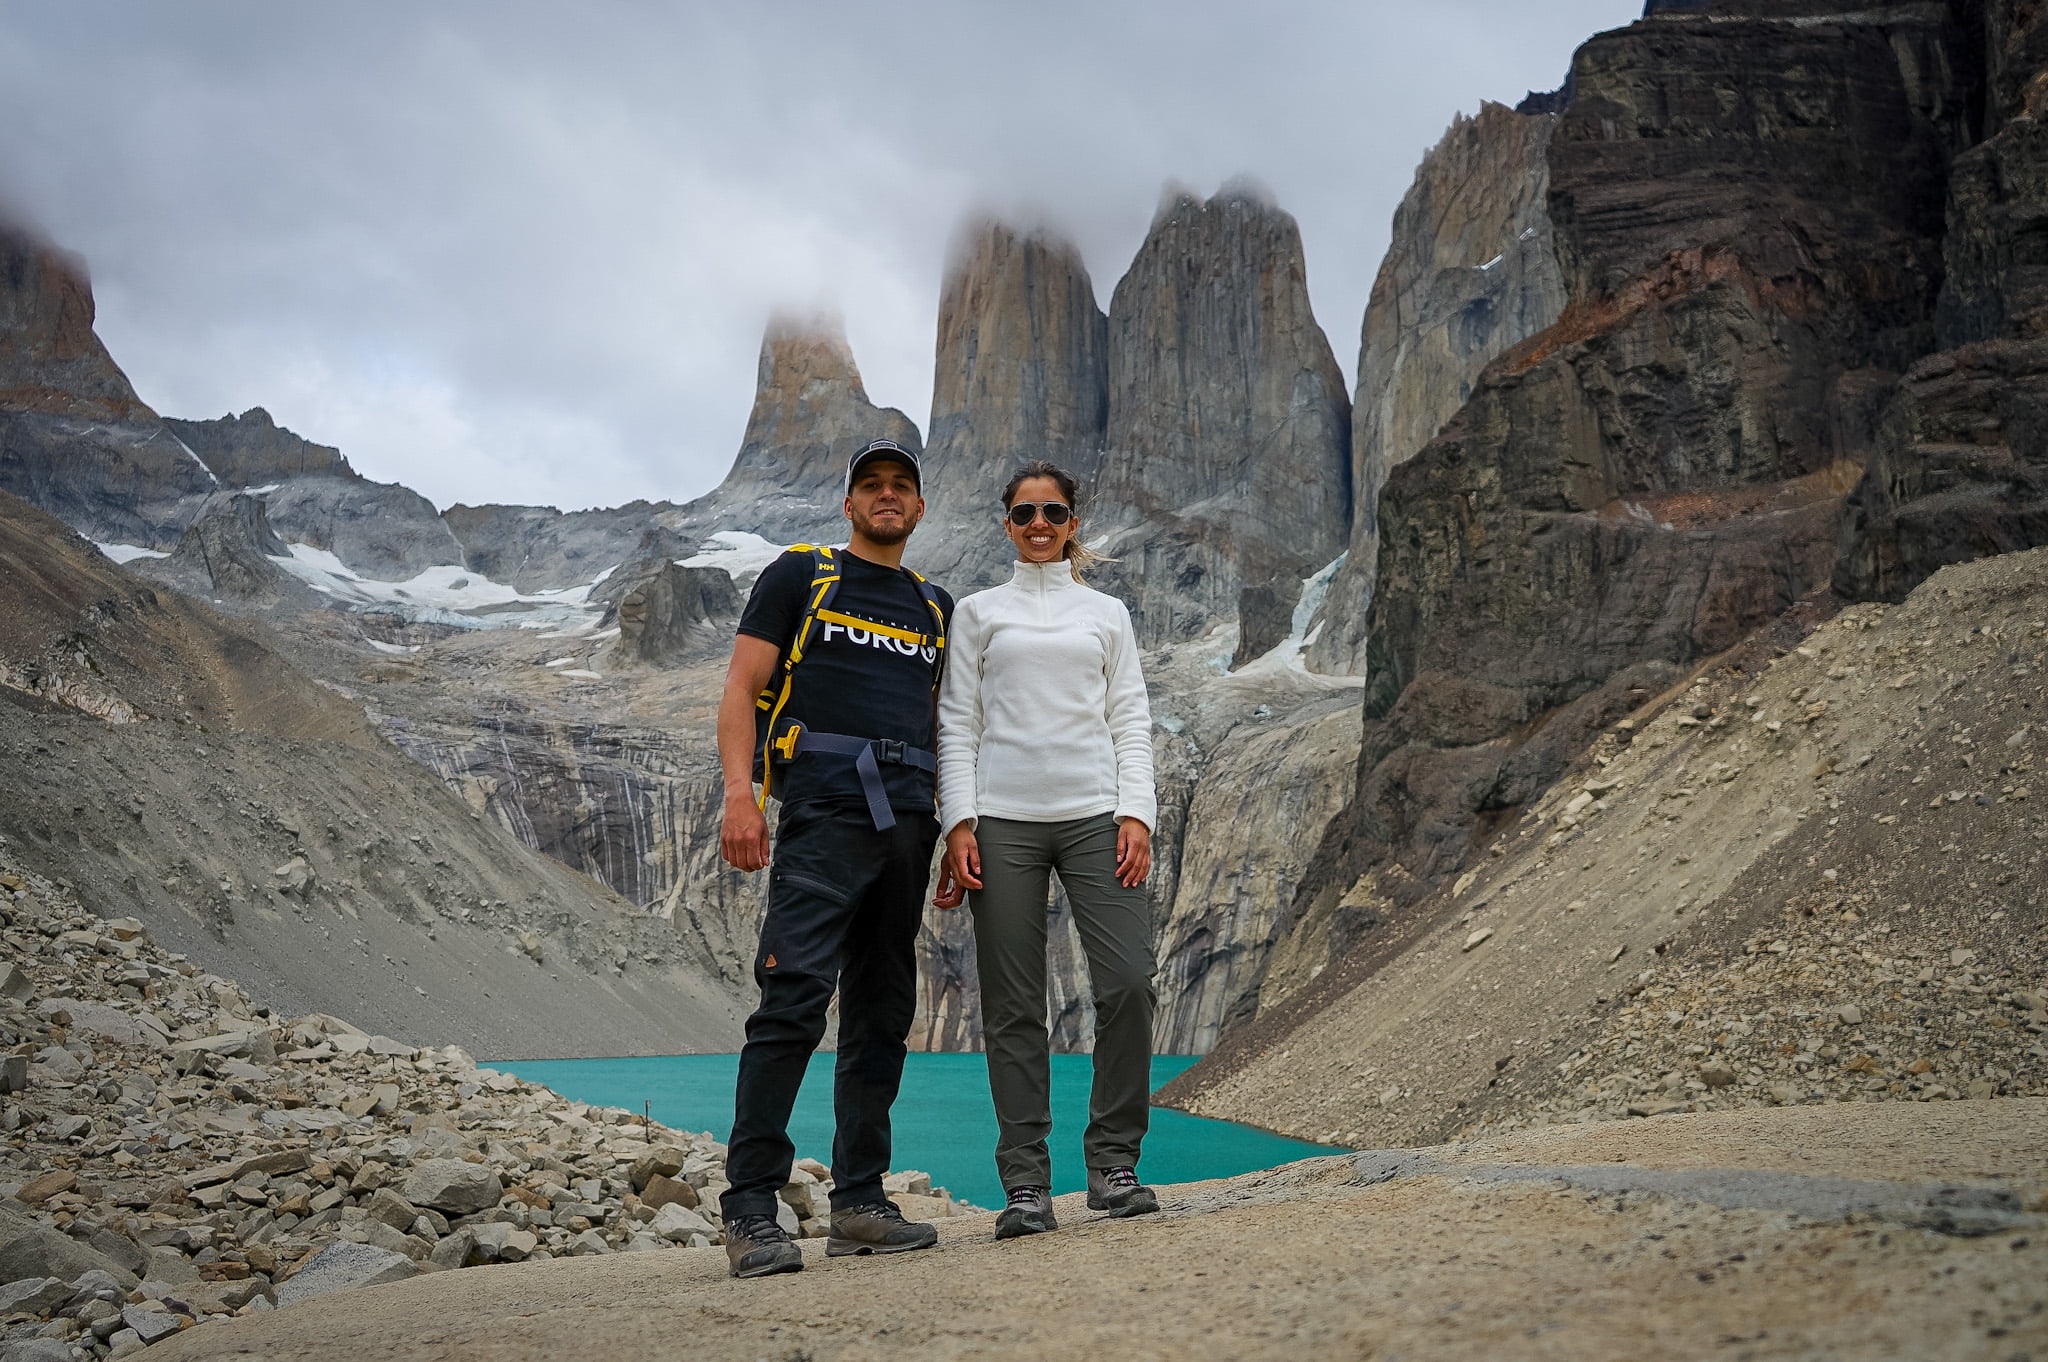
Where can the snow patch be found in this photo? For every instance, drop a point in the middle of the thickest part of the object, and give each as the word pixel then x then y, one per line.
pixel 265 490
pixel 1285 656
pixel 580 674
pixel 738 552
pixel 128 553
pixel 445 594
pixel 399 649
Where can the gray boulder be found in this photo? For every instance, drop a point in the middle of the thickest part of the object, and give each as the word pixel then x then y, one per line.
pixel 36 1350
pixel 30 1249
pixel 391 1209
pixel 344 1267
pixel 151 1326
pixel 453 1186
pixel 104 1022
pixel 35 1295
pixel 93 1285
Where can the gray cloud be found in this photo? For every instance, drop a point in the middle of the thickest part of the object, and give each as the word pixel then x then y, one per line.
pixel 521 251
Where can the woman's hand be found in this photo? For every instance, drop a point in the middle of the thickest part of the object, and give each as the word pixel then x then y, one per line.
pixel 960 871
pixel 1133 852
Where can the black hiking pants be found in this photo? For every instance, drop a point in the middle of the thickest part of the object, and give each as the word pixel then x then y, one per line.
pixel 844 905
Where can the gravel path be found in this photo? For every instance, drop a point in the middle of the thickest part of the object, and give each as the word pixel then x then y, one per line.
pixel 1668 1238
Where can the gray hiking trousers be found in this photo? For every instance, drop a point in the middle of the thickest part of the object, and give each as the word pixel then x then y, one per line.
pixel 1115 925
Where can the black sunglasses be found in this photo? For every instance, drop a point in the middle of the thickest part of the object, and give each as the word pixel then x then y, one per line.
pixel 1056 512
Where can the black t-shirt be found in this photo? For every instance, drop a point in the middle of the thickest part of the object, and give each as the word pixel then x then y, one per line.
pixel 851 681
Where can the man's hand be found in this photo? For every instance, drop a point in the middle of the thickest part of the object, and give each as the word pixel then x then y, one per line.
pixel 950 893
pixel 961 870
pixel 743 836
pixel 1133 852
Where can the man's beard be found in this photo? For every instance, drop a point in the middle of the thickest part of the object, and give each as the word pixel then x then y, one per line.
pixel 886 536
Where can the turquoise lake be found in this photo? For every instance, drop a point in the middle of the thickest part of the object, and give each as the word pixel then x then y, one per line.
pixel 944 1121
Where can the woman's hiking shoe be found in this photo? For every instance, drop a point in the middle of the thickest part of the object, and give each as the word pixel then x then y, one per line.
pixel 1118 1191
pixel 879 1228
pixel 755 1246
pixel 1029 1212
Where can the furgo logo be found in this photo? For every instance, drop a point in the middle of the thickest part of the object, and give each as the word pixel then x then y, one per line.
pixel 876 639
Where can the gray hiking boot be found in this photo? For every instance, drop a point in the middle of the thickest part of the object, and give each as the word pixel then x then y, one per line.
pixel 1118 1191
pixel 1029 1212
pixel 879 1228
pixel 755 1246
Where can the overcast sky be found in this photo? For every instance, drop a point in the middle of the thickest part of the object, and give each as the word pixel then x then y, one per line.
pixel 523 252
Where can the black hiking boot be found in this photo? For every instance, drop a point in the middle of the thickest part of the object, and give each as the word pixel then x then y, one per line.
pixel 1029 1212
pixel 879 1228
pixel 1118 1191
pixel 756 1246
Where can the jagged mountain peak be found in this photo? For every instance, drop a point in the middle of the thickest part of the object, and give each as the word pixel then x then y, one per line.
pixel 253 449
pixel 799 349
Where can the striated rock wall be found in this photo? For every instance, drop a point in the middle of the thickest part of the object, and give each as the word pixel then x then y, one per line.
pixel 1226 460
pixel 638 809
pixel 1471 270
pixel 1021 373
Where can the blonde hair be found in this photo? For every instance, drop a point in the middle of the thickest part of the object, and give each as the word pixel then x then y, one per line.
pixel 1076 553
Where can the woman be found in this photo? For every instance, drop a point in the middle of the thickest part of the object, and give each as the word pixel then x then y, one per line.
pixel 1045 764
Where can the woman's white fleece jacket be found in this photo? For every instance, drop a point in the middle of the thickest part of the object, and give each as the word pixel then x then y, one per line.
pixel 1042 716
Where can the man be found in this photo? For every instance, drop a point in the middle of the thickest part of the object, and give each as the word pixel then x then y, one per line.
pixel 849 751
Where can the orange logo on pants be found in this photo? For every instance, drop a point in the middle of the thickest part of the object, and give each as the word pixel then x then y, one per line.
pixel 769 963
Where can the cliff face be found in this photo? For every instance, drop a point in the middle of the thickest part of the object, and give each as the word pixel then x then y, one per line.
pixel 1960 468
pixel 1748 215
pixel 1470 271
pixel 1225 464
pixel 252 449
pixel 1021 373
pixel 379 529
pixel 74 437
pixel 50 359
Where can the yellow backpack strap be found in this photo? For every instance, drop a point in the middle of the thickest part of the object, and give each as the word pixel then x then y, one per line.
pixel 824 581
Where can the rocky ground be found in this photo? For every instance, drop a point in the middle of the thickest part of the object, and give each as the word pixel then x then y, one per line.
pixel 175 1152
pixel 1908 1231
